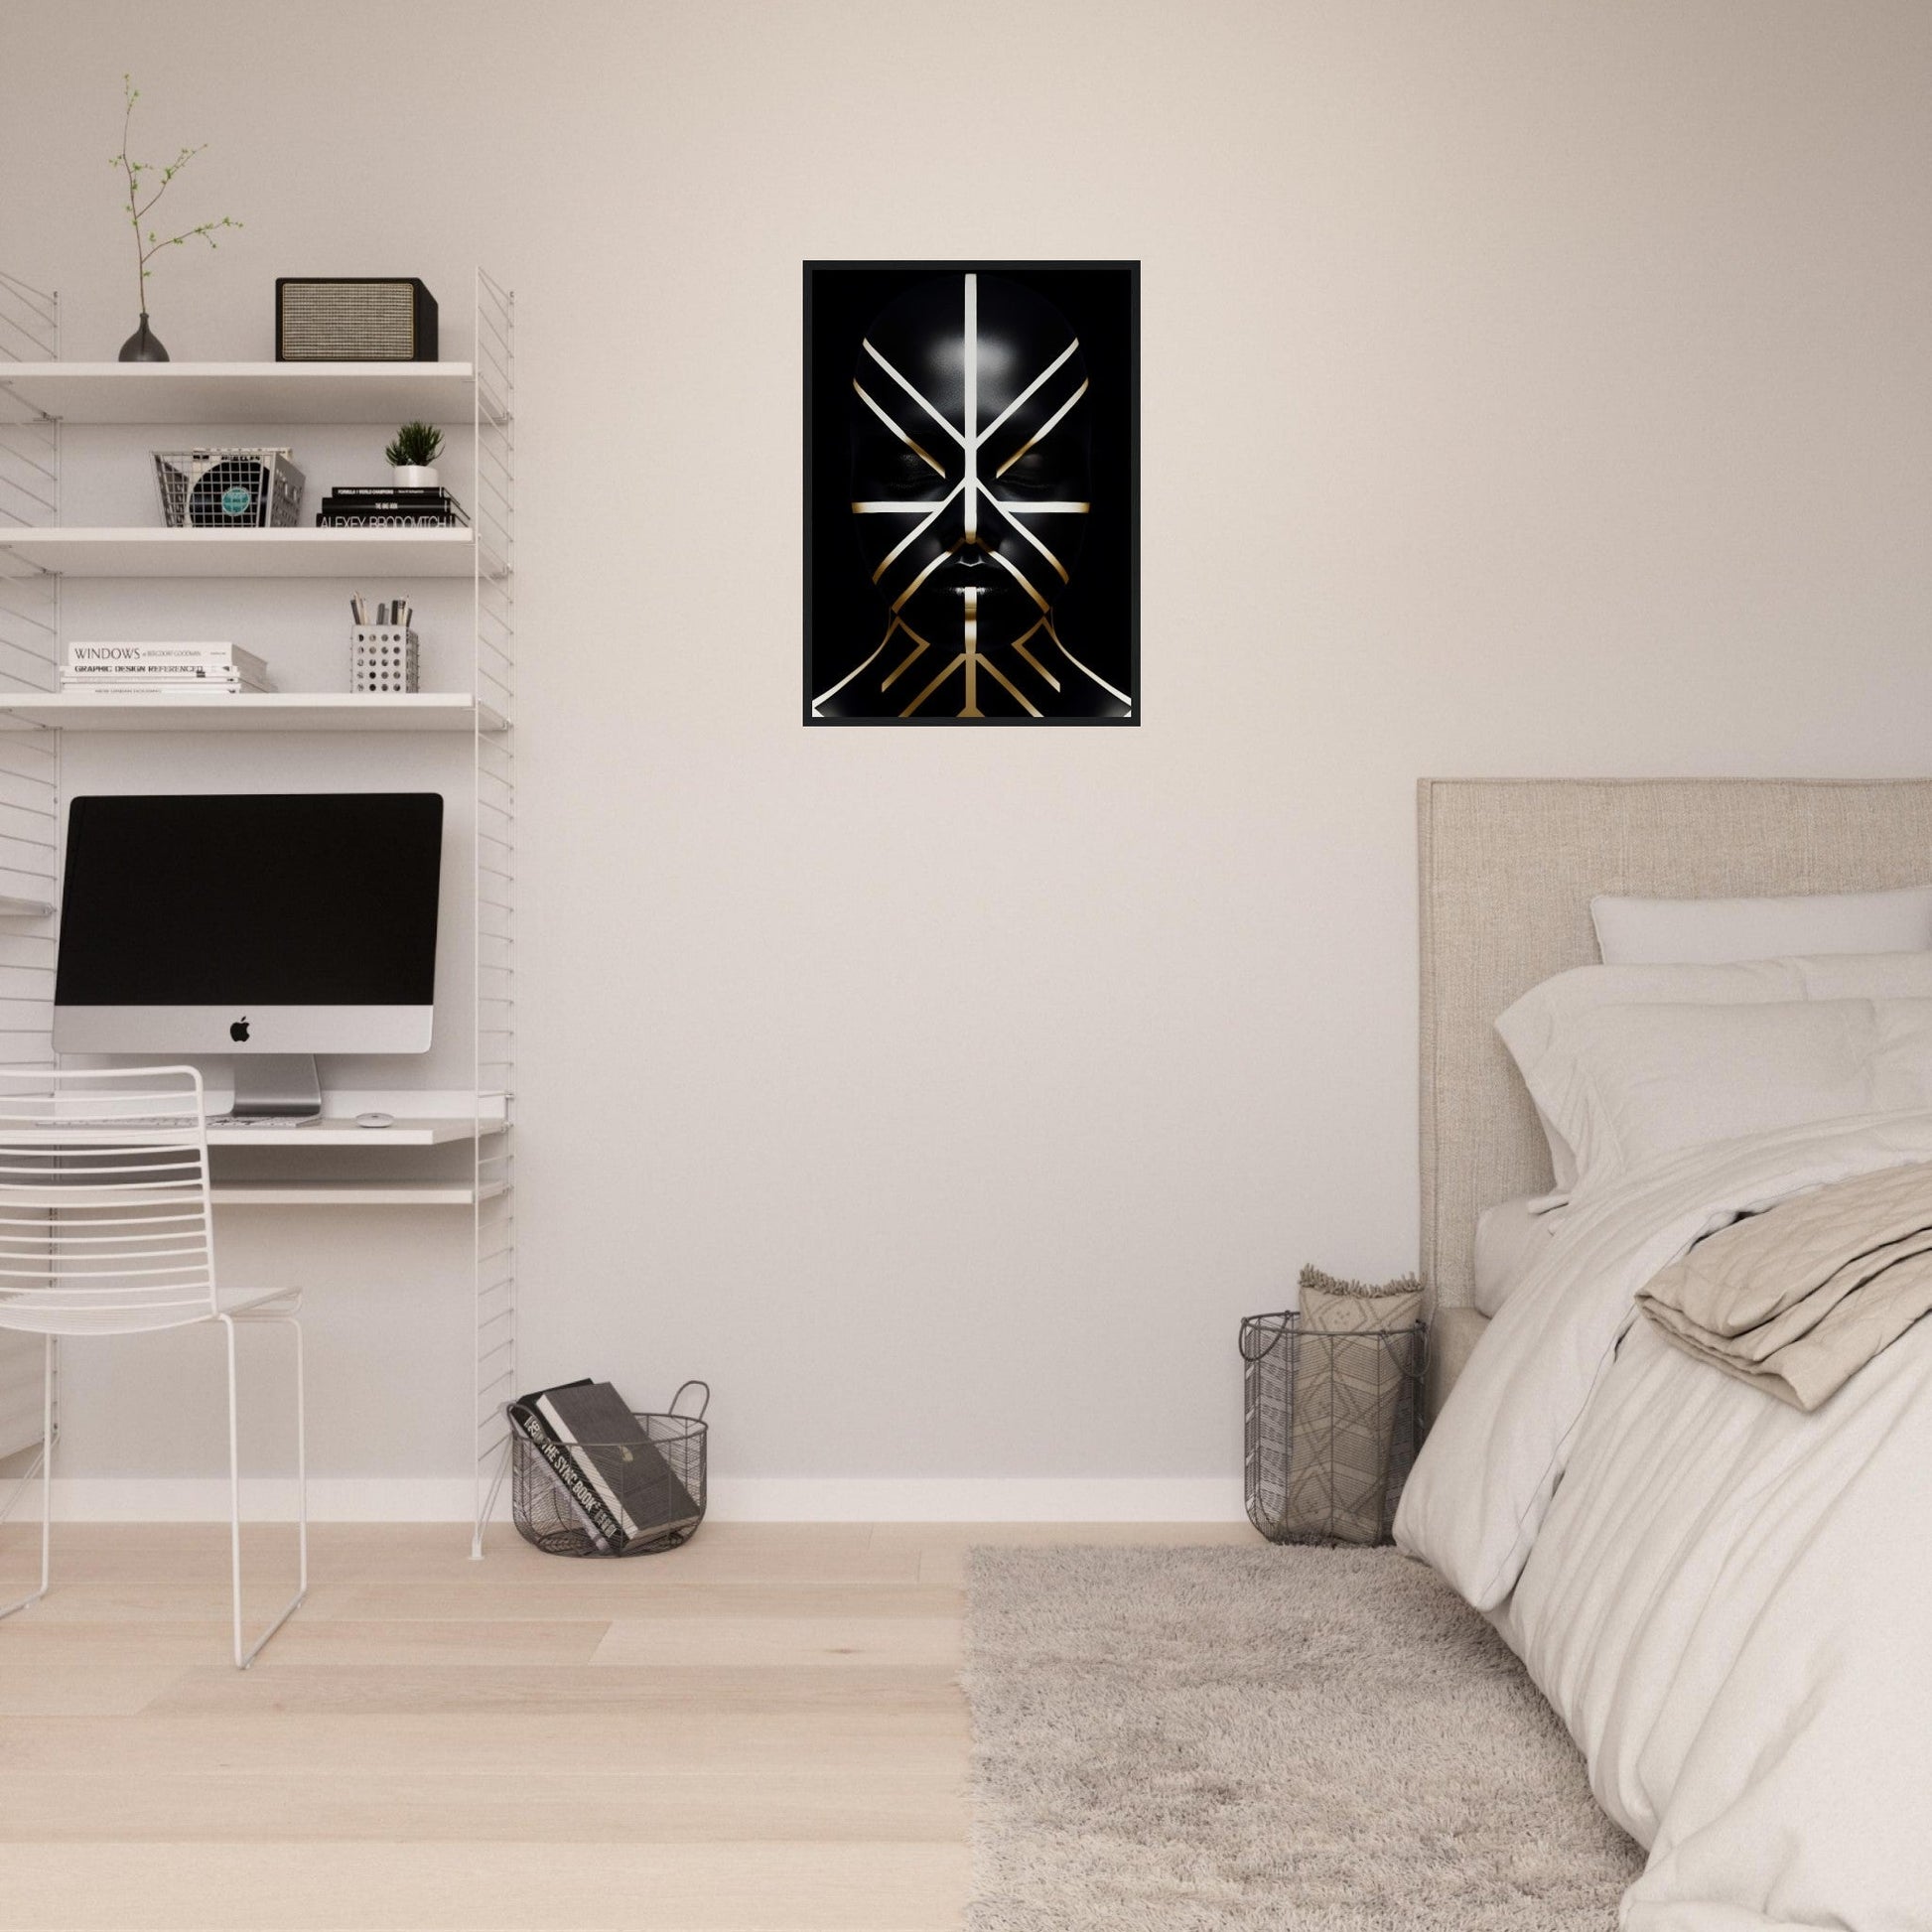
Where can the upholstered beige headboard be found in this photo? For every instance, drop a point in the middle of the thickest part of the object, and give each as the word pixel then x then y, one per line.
pixel 1507 870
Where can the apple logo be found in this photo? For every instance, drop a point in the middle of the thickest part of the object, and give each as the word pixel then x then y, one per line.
pixel 239 1031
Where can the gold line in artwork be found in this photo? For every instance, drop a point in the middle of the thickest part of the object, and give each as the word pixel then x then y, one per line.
pixel 933 686
pixel 919 644
pixel 1033 711
pixel 914 534
pixel 897 431
pixel 1019 508
pixel 913 394
pixel 900 603
pixel 824 696
pixel 971 708
pixel 1079 666
pixel 1042 434
pixel 1019 577
pixel 914 507
pixel 1020 645
pixel 1030 388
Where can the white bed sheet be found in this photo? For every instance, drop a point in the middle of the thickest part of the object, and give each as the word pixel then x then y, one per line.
pixel 1729 1601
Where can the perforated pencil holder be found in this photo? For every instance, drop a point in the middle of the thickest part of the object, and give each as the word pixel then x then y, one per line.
pixel 382 659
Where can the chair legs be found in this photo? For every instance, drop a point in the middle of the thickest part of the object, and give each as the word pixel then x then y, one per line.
pixel 244 1653
pixel 45 1466
pixel 244 1657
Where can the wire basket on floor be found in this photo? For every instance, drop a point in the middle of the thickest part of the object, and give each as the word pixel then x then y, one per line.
pixel 1333 1423
pixel 661 1515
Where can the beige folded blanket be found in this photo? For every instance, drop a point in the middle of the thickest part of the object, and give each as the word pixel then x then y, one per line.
pixel 1798 1299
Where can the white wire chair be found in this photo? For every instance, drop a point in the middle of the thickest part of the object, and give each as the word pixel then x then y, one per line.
pixel 105 1229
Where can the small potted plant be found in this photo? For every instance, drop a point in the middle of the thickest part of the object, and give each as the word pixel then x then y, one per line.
pixel 412 456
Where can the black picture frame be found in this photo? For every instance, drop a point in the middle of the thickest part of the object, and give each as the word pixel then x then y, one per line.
pixel 1100 604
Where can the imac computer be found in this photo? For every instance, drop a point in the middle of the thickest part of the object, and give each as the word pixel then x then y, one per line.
pixel 269 926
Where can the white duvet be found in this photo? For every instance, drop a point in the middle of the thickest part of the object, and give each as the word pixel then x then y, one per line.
pixel 1729 1601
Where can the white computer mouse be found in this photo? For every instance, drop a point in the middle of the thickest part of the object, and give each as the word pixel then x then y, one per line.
pixel 376 1120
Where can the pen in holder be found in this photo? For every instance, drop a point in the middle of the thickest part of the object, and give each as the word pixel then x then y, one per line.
pixel 383 657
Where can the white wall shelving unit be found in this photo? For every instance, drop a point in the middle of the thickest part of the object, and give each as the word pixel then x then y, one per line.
pixel 40 397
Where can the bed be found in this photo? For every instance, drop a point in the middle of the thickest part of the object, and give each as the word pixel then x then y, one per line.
pixel 1727 1600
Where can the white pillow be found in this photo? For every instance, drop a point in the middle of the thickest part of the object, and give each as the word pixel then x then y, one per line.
pixel 1534 1028
pixel 1628 1084
pixel 1708 931
pixel 1511 1238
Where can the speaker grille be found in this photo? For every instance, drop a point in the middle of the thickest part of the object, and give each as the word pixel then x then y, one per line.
pixel 349 322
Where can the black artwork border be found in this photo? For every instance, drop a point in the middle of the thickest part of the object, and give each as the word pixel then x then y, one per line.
pixel 1131 269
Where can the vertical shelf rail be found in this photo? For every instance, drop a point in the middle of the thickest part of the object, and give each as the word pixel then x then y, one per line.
pixel 29 772
pixel 491 503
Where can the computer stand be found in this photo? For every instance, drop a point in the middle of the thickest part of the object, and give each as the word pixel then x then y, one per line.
pixel 276 1087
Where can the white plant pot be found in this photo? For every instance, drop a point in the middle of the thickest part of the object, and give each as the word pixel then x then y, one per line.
pixel 413 475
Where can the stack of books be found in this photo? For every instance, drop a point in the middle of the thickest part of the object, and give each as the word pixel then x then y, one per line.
pixel 206 669
pixel 622 1491
pixel 384 506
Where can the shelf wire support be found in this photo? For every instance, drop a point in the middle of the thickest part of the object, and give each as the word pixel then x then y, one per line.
pixel 492 892
pixel 30 799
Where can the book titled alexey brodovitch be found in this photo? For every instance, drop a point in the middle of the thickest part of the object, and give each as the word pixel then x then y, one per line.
pixel 375 506
pixel 615 1476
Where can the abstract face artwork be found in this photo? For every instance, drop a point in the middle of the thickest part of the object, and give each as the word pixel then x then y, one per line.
pixel 971 494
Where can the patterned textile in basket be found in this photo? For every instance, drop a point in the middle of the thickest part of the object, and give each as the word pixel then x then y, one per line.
pixel 1333 1410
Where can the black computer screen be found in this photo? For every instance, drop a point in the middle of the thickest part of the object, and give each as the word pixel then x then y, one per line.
pixel 283 899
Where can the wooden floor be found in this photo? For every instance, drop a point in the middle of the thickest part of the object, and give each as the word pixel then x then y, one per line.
pixel 759 1732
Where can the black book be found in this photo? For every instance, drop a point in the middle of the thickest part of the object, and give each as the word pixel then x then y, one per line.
pixel 370 517
pixel 636 1486
pixel 388 506
pixel 527 1415
pixel 407 492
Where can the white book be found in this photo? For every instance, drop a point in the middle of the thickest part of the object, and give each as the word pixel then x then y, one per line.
pixel 153 686
pixel 160 669
pixel 127 659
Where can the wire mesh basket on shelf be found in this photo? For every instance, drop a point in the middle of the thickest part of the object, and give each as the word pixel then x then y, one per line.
pixel 654 1493
pixel 1333 1423
pixel 227 490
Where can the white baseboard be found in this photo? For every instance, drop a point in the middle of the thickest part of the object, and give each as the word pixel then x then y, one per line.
pixel 734 1499
pixel 205 1500
pixel 979 1499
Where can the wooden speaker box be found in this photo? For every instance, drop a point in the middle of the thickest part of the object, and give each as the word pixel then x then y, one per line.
pixel 355 318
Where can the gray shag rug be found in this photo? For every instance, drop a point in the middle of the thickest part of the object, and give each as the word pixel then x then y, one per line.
pixel 1297 1739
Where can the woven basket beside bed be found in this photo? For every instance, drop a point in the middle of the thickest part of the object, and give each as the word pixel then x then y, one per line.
pixel 1334 1408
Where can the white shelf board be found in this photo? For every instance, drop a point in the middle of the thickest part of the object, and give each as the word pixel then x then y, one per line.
pixel 269 711
pixel 244 392
pixel 350 1194
pixel 24 909
pixel 302 552
pixel 423 1130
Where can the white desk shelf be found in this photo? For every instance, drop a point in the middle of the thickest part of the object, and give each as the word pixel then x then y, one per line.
pixel 351 1194
pixel 439 1130
pixel 41 397
pixel 383 393
pixel 270 711
pixel 137 551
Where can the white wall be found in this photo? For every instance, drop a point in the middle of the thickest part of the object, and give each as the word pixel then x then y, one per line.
pixel 1527 388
